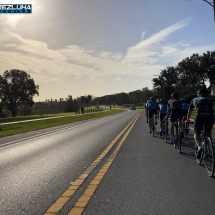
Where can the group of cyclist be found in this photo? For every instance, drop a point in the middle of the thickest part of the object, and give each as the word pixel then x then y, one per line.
pixel 177 109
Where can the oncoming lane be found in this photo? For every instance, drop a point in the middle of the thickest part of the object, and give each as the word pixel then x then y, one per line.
pixel 35 172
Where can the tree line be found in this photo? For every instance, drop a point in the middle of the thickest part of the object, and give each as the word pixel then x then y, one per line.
pixel 63 104
pixel 191 74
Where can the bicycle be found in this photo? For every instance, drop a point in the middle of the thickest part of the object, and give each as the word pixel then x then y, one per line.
pixel 207 153
pixel 186 127
pixel 177 137
pixel 165 129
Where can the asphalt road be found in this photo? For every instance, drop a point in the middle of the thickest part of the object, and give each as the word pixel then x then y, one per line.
pixel 140 174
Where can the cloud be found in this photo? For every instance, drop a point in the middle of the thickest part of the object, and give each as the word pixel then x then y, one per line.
pixel 142 36
pixel 105 54
pixel 75 63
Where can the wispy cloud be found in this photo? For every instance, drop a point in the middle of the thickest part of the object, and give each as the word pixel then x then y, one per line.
pixel 75 63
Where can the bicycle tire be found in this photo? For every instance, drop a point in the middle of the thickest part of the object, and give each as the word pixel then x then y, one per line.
pixel 209 157
pixel 175 144
pixel 166 133
pixel 153 129
pixel 163 130
pixel 198 160
pixel 185 132
pixel 179 141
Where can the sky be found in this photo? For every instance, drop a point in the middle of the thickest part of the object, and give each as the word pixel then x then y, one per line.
pixel 102 47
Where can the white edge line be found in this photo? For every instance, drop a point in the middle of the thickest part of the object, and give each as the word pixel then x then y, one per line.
pixel 51 132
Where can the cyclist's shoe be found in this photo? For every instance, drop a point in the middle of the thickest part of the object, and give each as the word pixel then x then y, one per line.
pixel 160 133
pixel 150 131
pixel 155 123
pixel 182 134
pixel 171 142
pixel 199 152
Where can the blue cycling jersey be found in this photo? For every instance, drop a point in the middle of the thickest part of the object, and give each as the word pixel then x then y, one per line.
pixel 163 108
pixel 185 106
pixel 152 105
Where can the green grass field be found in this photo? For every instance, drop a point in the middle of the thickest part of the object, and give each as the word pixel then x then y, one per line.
pixel 7 130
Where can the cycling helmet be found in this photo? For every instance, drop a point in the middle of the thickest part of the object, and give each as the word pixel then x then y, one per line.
pixel 175 95
pixel 202 92
pixel 151 99
pixel 162 101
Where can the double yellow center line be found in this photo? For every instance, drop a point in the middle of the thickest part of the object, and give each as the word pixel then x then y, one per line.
pixel 84 199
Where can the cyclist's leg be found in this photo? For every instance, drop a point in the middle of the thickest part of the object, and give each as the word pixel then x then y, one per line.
pixel 209 125
pixel 172 124
pixel 150 120
pixel 198 127
pixel 162 116
pixel 161 122
pixel 155 113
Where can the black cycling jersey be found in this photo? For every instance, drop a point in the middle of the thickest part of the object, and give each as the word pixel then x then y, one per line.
pixel 203 105
pixel 204 113
pixel 176 108
pixel 175 105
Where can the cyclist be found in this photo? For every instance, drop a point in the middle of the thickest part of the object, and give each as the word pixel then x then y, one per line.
pixel 204 116
pixel 152 110
pixel 185 111
pixel 176 108
pixel 146 111
pixel 162 109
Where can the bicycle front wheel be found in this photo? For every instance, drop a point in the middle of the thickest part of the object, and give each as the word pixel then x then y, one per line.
pixel 209 156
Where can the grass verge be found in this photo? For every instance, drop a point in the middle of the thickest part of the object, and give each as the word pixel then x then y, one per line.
pixel 22 118
pixel 7 130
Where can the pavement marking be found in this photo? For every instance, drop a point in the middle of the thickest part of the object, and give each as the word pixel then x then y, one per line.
pixel 81 204
pixel 64 198
pixel 56 131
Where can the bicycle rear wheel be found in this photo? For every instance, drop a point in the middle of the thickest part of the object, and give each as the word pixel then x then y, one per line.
pixel 163 130
pixel 179 141
pixel 153 129
pixel 209 156
pixel 185 132
pixel 166 132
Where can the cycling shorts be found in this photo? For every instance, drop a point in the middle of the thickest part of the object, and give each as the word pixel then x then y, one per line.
pixel 152 112
pixel 201 121
pixel 176 115
pixel 185 112
pixel 162 116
